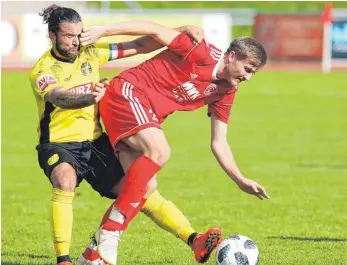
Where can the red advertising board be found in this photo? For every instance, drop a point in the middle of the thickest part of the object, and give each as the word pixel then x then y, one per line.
pixel 290 36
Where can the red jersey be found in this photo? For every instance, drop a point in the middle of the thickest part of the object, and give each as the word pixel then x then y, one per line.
pixel 183 78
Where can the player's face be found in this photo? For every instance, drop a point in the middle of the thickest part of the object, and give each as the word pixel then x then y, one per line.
pixel 67 40
pixel 238 71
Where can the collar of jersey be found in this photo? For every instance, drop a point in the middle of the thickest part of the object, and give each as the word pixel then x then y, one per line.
pixel 61 59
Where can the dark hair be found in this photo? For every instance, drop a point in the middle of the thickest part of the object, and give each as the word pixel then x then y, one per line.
pixel 53 15
pixel 249 48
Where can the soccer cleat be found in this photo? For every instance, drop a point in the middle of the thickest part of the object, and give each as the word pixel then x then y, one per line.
pixel 90 255
pixel 64 263
pixel 107 245
pixel 204 244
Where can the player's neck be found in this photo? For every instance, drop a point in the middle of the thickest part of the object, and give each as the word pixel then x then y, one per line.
pixel 59 57
pixel 220 70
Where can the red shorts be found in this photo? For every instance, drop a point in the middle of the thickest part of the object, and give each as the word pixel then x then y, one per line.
pixel 125 110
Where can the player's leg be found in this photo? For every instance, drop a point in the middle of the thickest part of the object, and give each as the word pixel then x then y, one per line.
pixel 63 178
pixel 161 211
pixel 125 112
pixel 135 189
pixel 168 217
pixel 59 165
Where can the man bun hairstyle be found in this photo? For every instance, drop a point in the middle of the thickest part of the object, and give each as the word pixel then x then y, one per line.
pixel 250 49
pixel 53 15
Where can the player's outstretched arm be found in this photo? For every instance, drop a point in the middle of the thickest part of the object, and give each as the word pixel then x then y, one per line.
pixel 224 156
pixel 147 44
pixel 66 99
pixel 160 33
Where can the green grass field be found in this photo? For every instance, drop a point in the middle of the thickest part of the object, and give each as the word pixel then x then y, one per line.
pixel 287 131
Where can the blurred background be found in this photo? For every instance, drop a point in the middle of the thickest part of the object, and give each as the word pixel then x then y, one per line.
pixel 287 131
pixel 292 32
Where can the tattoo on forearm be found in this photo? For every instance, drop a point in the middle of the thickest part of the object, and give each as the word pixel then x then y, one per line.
pixel 68 100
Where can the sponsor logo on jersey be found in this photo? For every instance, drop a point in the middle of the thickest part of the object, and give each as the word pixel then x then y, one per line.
pixel 53 159
pixel 86 68
pixel 44 81
pixel 187 91
pixel 210 89
pixel 191 90
pixel 82 89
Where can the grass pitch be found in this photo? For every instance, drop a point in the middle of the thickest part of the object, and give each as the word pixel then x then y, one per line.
pixel 287 131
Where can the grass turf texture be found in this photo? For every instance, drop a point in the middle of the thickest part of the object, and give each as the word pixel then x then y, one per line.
pixel 287 131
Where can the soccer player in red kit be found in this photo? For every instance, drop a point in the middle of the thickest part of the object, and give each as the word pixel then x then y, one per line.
pixel 184 77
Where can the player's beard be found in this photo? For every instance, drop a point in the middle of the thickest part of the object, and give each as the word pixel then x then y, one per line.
pixel 66 52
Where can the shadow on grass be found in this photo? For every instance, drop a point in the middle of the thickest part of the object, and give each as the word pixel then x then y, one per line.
pixel 312 239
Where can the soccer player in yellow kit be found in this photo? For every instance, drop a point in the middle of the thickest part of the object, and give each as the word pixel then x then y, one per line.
pixel 72 145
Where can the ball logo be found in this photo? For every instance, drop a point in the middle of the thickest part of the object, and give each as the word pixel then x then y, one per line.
pixel 44 81
pixel 210 89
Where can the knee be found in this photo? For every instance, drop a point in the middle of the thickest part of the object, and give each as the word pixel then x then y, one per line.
pixel 151 186
pixel 160 155
pixel 64 177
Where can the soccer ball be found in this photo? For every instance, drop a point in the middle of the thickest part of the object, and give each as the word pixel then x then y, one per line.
pixel 237 250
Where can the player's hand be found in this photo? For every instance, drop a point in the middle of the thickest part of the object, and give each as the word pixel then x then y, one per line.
pixel 91 35
pixel 195 33
pixel 100 88
pixel 253 188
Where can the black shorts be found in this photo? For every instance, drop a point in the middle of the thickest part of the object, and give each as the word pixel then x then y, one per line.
pixel 93 161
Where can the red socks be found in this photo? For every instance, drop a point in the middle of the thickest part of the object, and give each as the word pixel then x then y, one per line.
pixel 130 199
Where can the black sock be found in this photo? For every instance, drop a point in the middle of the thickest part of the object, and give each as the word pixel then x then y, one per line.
pixel 64 258
pixel 191 238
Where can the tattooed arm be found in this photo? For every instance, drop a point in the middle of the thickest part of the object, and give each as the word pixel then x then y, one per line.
pixel 69 100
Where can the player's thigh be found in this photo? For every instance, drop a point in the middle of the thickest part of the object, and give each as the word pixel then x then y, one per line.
pixel 62 163
pixel 152 143
pixel 105 169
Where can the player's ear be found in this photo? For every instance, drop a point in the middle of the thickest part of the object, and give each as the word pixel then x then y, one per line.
pixel 231 56
pixel 52 37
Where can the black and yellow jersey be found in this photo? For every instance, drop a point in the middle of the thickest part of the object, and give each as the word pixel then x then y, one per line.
pixel 69 125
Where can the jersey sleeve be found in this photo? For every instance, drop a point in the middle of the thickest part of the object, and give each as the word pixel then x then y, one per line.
pixel 183 46
pixel 108 51
pixel 221 108
pixel 43 81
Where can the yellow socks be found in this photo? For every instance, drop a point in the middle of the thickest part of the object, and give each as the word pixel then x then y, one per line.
pixel 62 218
pixel 167 216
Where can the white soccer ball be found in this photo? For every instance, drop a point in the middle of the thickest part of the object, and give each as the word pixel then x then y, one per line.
pixel 237 250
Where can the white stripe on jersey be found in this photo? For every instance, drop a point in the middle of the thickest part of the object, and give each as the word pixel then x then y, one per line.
pixel 114 51
pixel 139 112
pixel 215 54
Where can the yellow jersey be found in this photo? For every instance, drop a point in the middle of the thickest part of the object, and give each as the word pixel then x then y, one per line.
pixel 69 125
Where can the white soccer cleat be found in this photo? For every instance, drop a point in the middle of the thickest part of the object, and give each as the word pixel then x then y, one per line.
pixel 90 255
pixel 107 245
